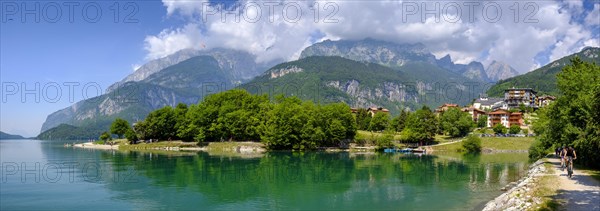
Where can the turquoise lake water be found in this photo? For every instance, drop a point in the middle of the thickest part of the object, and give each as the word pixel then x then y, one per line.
pixel 46 175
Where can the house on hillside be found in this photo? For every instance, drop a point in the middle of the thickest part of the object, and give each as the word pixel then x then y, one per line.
pixel 374 110
pixel 445 107
pixel 514 97
pixel 505 118
pixel 474 112
pixel 486 103
pixel 545 100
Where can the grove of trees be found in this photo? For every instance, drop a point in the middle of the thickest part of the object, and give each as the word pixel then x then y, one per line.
pixel 574 118
pixel 236 115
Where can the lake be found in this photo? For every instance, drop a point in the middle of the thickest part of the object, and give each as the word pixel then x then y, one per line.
pixel 46 175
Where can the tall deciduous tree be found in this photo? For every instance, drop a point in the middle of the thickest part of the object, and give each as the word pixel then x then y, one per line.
pixel 380 121
pixel 421 125
pixel 456 123
pixel 120 127
pixel 363 119
pixel 399 121
pixel 573 118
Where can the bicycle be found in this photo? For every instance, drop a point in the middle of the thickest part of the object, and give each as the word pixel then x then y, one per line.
pixel 569 165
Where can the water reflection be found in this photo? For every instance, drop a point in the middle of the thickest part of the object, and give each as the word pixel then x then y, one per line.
pixel 275 180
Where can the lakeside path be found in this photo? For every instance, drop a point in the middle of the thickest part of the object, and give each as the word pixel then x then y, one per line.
pixel 581 192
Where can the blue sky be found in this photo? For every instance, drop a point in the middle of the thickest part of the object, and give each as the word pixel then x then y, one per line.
pixel 104 52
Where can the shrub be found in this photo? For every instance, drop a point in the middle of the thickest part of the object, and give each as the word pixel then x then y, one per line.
pixel 472 144
pixel 537 150
pixel 499 128
pixel 514 129
pixel 385 140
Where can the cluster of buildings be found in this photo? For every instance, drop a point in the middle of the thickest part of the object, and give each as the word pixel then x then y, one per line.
pixel 498 110
pixel 513 98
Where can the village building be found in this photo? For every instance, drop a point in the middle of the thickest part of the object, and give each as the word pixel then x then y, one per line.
pixel 486 103
pixel 445 107
pixel 545 100
pixel 474 112
pixel 505 118
pixel 514 97
pixel 374 110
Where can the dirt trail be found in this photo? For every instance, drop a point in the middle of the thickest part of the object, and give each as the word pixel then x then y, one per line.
pixel 581 192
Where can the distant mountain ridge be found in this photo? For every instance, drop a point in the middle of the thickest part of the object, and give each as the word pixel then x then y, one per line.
pixel 188 75
pixel 398 55
pixel 4 136
pixel 240 65
pixel 543 79
pixel 185 77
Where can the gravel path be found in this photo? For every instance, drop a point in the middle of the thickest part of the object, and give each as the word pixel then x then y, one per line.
pixel 581 192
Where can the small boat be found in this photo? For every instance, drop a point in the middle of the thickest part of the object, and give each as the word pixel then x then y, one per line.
pixel 418 150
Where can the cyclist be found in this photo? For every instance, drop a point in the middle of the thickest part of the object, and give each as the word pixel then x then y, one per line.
pixel 570 155
pixel 563 151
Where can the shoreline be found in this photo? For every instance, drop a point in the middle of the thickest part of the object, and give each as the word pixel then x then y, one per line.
pixel 519 195
pixel 91 145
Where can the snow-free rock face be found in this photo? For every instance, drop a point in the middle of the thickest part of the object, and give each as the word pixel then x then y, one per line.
pixel 183 77
pixel 499 71
pixel 393 55
pixel 370 50
pixel 241 66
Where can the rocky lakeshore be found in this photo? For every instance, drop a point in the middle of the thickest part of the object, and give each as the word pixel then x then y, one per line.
pixel 519 195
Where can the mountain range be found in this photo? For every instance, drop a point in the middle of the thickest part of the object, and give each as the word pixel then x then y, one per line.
pixel 543 79
pixel 4 136
pixel 361 73
pixel 183 77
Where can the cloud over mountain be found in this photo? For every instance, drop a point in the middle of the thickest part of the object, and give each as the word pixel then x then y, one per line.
pixel 524 34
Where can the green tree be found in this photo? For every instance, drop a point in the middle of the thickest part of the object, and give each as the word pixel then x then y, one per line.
pixel 482 121
pixel 363 119
pixel 160 124
pixel 399 121
pixel 514 129
pixel 283 129
pixel 105 137
pixel 386 140
pixel 522 107
pixel 456 123
pixel 131 136
pixel 140 129
pixel 120 127
pixel 422 125
pixel 181 121
pixel 573 118
pixel 379 122
pixel 499 128
pixel 472 144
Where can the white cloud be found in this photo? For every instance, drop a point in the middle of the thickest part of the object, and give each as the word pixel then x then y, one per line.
pixel 593 18
pixel 468 37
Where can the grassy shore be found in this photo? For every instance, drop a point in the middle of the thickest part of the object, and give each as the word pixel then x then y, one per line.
pixel 546 189
pixel 493 143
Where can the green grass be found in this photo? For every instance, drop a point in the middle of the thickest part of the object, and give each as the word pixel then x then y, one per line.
pixel 230 146
pixel 368 135
pixel 115 141
pixel 155 145
pixel 500 143
pixel 546 189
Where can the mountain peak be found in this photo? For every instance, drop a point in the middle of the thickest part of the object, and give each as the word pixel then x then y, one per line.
pixel 498 70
